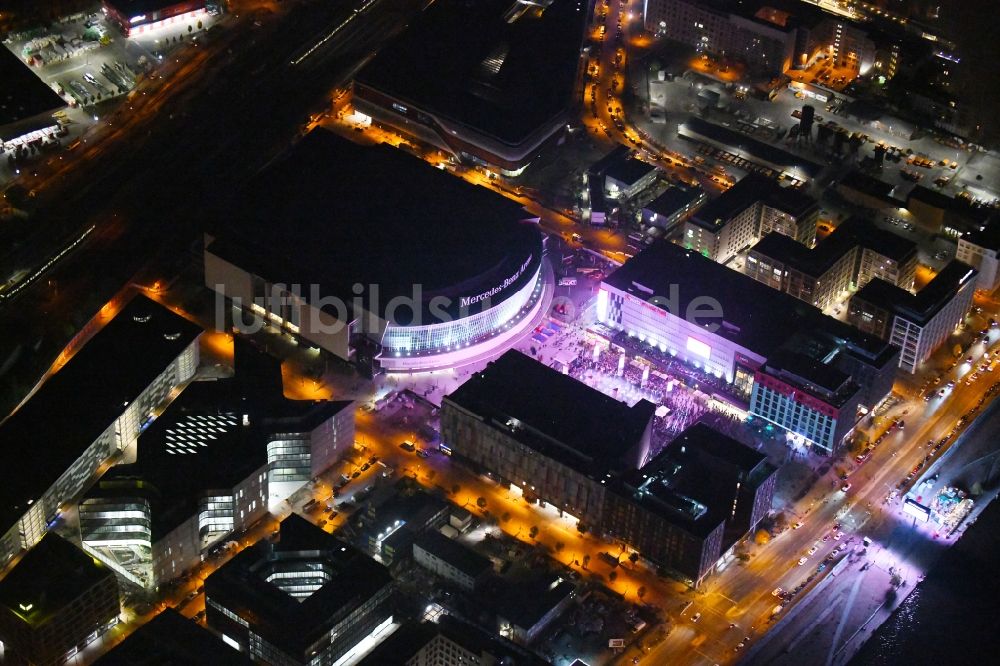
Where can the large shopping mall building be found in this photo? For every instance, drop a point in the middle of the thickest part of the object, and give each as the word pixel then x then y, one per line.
pixel 782 359
pixel 378 258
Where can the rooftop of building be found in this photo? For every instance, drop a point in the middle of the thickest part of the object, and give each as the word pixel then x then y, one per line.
pixel 74 407
pixel 212 437
pixel 970 213
pixel 49 578
pixel 783 15
pixel 811 375
pixel 525 602
pixel 463 558
pixel 987 235
pixel 792 201
pixel 290 624
pixel 921 307
pixel 715 214
pixel 714 444
pixel 553 413
pixel 930 197
pixel 23 95
pixel 413 507
pixel 685 484
pixel 866 184
pixel 503 68
pixel 629 170
pixel 752 148
pixel 137 7
pixel 311 219
pixel 749 308
pixel 411 637
pixel 170 639
pixel 852 233
pixel 614 156
pixel 674 199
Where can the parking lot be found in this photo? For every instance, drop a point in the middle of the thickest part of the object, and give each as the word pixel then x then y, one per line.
pixel 92 66
pixel 938 163
pixel 84 60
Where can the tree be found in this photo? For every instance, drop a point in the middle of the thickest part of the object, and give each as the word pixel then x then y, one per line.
pixel 613 576
pixel 581 527
pixel 190 30
pixel 199 25
pixel 481 502
pixel 533 532
pixel 641 592
pixel 586 561
pixel 633 558
pixel 455 488
pixel 505 517
pixel 559 546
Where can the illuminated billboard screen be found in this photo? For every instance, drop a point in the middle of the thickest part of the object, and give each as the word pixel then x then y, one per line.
pixel 917 510
pixel 698 348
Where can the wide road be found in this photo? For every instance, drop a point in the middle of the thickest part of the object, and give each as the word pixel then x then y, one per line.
pixel 742 594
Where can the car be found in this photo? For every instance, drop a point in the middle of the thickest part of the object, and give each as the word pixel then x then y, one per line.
pixel 776 593
pixel 738 647
pixel 812 551
pixel 844 488
pixel 826 537
pixel 803 560
pixel 423 454
pixel 408 446
pixel 732 625
pixel 796 526
pixel 365 467
pixel 356 474
pixel 696 617
pixel 373 460
pixel 838 536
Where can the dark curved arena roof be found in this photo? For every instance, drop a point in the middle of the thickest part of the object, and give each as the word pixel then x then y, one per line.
pixel 337 214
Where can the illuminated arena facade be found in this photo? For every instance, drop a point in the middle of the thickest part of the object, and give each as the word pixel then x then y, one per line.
pixel 391 263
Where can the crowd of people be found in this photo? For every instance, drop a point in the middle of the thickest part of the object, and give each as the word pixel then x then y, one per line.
pixel 666 386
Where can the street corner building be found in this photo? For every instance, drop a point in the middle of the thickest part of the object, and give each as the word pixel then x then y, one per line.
pixel 304 597
pixel 378 259
pixel 54 602
pixel 89 414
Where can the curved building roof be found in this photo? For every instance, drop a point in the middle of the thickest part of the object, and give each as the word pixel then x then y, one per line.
pixel 337 214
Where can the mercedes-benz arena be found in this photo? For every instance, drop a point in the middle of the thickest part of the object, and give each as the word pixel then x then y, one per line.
pixel 379 258
pixel 136 17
